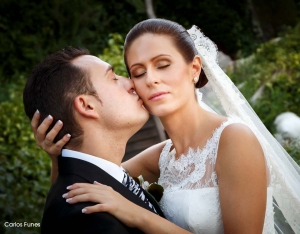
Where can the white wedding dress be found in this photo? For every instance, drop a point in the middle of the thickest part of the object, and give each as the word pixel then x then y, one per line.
pixel 191 195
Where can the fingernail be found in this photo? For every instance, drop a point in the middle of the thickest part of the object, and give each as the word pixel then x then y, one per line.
pixel 64 195
pixel 69 199
pixel 69 187
pixel 69 135
pixel 50 117
pixel 83 210
pixel 37 112
pixel 95 182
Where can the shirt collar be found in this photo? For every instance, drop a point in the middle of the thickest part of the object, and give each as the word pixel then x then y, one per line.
pixel 112 169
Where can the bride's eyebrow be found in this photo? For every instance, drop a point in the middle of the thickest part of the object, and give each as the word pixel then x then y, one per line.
pixel 160 56
pixel 150 59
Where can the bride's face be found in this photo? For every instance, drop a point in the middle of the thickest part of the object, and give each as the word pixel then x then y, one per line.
pixel 162 78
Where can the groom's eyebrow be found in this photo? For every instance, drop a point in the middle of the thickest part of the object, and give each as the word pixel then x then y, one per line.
pixel 109 68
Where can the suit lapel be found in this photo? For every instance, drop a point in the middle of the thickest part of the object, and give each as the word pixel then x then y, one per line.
pixel 91 173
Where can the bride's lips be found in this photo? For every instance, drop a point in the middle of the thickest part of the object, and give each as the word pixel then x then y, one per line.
pixel 157 96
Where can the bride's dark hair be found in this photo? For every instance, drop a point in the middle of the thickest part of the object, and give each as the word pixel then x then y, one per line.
pixel 178 33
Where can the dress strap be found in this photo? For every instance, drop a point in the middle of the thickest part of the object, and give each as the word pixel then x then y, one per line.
pixel 218 132
pixel 166 150
pixel 163 158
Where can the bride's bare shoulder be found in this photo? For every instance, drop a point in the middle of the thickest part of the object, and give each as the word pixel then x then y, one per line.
pixel 238 146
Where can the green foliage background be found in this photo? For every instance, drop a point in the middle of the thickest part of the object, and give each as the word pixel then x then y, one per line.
pixel 25 170
pixel 30 30
pixel 276 66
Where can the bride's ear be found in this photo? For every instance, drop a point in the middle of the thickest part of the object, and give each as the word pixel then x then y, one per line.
pixel 86 106
pixel 196 66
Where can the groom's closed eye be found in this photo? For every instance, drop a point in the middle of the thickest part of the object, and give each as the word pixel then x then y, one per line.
pixel 109 69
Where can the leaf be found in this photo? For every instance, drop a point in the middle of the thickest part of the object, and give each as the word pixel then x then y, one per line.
pixel 156 191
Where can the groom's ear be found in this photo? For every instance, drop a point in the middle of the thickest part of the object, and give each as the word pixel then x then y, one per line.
pixel 196 66
pixel 86 105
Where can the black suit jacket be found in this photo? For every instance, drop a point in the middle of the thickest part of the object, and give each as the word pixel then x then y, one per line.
pixel 61 217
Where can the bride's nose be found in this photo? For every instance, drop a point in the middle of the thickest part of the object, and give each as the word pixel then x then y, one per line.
pixel 152 78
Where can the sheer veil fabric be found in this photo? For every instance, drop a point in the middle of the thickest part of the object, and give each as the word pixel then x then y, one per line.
pixel 284 173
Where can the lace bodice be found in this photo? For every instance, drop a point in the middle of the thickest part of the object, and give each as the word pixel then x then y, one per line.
pixel 191 196
pixel 194 170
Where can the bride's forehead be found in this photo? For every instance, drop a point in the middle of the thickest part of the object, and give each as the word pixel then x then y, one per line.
pixel 151 46
pixel 148 40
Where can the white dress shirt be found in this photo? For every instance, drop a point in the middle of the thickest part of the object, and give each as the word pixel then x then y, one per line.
pixel 111 168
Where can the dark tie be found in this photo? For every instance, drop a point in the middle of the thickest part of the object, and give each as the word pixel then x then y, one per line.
pixel 135 188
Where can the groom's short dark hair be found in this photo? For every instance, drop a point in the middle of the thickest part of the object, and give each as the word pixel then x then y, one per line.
pixel 52 87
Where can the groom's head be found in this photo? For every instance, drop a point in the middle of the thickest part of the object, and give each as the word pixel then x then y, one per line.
pixel 81 90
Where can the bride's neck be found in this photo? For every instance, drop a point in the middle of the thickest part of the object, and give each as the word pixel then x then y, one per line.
pixel 185 126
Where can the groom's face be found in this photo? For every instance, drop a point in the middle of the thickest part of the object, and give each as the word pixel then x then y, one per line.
pixel 119 106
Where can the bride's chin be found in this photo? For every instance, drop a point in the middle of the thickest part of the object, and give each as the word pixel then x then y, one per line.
pixel 159 113
pixel 159 110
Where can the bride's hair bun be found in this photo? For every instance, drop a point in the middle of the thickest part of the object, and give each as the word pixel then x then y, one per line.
pixel 202 80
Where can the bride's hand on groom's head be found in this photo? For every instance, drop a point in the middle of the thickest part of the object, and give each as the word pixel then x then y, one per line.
pixel 44 139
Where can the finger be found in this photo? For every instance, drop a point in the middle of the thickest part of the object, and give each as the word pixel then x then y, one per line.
pixel 79 185
pixel 87 197
pixel 84 185
pixel 42 129
pixel 60 144
pixel 35 121
pixel 80 191
pixel 53 133
pixel 95 208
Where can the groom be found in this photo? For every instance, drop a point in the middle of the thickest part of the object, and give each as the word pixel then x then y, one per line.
pixel 101 111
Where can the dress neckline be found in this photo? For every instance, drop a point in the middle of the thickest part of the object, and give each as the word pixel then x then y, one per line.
pixel 172 153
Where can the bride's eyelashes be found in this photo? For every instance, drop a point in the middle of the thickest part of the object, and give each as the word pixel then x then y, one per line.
pixel 164 66
pixel 143 73
pixel 138 75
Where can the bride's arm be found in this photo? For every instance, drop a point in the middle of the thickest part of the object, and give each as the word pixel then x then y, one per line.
pixel 114 203
pixel 241 170
pixel 145 163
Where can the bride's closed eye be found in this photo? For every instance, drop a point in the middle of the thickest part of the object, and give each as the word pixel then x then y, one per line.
pixel 164 66
pixel 159 66
pixel 138 73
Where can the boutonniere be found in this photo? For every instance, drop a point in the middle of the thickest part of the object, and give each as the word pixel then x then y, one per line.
pixel 154 189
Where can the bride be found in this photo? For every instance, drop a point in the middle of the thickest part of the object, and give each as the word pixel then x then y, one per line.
pixel 219 173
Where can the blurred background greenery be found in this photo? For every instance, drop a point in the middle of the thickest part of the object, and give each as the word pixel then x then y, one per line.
pixel 263 36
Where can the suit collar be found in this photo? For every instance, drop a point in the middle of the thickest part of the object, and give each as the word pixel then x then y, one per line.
pixel 111 168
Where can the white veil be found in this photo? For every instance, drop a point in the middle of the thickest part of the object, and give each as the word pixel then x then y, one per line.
pixel 284 172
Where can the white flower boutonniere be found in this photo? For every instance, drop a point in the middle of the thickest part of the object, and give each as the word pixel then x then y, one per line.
pixel 154 189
